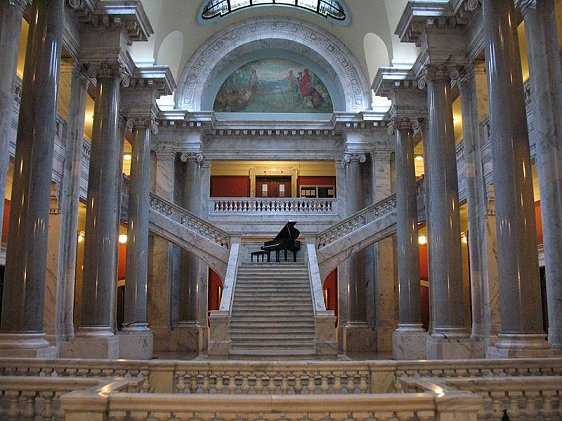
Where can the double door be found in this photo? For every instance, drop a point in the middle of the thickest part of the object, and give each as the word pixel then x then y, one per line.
pixel 273 186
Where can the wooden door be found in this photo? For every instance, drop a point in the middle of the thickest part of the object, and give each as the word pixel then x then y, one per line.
pixel 273 186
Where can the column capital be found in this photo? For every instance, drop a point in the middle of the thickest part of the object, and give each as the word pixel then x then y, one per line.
pixel 164 154
pixel 432 72
pixel 142 122
pixel 381 156
pixel 525 5
pixel 108 70
pixel 403 122
pixel 350 157
pixel 19 4
pixel 192 157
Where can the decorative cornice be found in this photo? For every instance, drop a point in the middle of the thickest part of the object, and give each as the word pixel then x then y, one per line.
pixel 128 15
pixel 419 16
pixel 159 78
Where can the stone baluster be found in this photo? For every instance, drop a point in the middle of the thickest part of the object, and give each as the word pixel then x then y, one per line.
pixel 26 258
pixel 409 338
pixel 481 219
pixel 10 27
pixel 546 87
pixel 448 328
pixel 95 336
pixel 520 295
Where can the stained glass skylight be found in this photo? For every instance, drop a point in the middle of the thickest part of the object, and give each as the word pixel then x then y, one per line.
pixel 326 8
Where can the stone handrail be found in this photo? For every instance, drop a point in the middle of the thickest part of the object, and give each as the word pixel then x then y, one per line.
pixel 187 219
pixel 39 398
pixel 252 205
pixel 355 221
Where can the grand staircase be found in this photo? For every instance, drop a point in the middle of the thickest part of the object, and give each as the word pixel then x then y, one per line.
pixel 272 312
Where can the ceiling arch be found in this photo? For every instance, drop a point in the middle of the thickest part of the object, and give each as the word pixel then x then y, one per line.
pixel 330 54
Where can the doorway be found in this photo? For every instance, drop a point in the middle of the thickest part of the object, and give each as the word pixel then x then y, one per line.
pixel 273 186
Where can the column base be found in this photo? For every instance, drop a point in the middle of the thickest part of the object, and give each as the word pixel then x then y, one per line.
pixel 189 337
pixel 135 344
pixel 409 343
pixel 520 346
pixel 26 345
pixel 439 347
pixel 356 338
pixel 92 343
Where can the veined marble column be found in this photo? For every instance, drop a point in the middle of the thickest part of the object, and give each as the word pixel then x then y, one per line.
pixel 383 260
pixel 26 257
pixel 354 334
pixel 187 332
pixel 161 259
pixel 410 338
pixel 69 201
pixel 95 336
pixel 10 28
pixel 481 241
pixel 546 88
pixel 448 330
pixel 520 295
pixel 136 338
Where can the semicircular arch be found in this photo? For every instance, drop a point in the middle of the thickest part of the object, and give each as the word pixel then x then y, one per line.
pixel 332 57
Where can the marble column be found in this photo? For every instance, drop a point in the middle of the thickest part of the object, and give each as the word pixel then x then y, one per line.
pixel 135 336
pixel 69 203
pixel 354 334
pixel 448 331
pixel 161 259
pixel 26 257
pixel 409 339
pixel 187 332
pixel 481 240
pixel 10 28
pixel 546 92
pixel 520 296
pixel 95 336
pixel 383 258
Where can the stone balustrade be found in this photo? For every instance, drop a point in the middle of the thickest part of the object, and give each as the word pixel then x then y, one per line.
pixel 251 205
pixel 189 220
pixel 38 398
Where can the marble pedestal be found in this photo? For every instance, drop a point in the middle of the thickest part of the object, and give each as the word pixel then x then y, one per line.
pixel 219 340
pixel 520 346
pixel 135 344
pixel 190 337
pixel 95 347
pixel 326 343
pixel 356 338
pixel 26 346
pixel 409 344
pixel 439 347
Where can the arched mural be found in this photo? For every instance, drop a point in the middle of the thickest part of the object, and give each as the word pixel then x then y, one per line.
pixel 275 86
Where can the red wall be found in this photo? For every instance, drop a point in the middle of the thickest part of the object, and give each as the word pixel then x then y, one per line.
pixel 215 283
pixel 316 181
pixel 331 284
pixel 230 186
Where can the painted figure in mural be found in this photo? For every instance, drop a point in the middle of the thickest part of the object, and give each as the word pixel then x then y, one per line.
pixel 304 84
pixel 292 87
pixel 254 81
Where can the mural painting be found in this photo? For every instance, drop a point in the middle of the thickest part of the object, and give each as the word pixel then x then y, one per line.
pixel 273 86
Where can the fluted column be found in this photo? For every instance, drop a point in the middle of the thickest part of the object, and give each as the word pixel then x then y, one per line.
pixel 100 243
pixel 442 207
pixel 481 219
pixel 520 296
pixel 10 28
pixel 546 92
pixel 24 281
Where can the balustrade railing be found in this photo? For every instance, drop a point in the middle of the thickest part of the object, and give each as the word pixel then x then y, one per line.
pixel 356 221
pixel 252 205
pixel 189 220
